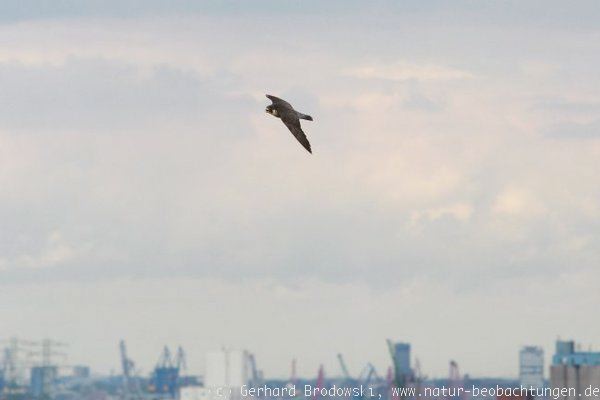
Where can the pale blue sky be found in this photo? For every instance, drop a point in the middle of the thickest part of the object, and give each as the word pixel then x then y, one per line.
pixel 452 194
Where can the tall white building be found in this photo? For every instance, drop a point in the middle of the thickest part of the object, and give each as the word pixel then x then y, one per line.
pixel 226 372
pixel 227 368
pixel 531 367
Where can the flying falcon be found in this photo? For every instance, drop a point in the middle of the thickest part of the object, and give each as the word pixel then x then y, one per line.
pixel 290 117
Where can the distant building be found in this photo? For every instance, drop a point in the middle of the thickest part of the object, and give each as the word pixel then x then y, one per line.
pixel 42 380
pixel 226 372
pixel 574 371
pixel 567 355
pixel 164 380
pixel 531 367
pixel 400 353
pixel 227 368
pixel 402 358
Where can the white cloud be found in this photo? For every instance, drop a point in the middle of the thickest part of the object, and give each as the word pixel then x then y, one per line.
pixel 54 251
pixel 518 202
pixel 402 71
pixel 459 211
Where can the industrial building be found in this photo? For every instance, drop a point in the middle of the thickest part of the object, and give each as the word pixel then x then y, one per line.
pixel 566 354
pixel 166 377
pixel 402 358
pixel 400 353
pixel 531 367
pixel 573 371
pixel 42 380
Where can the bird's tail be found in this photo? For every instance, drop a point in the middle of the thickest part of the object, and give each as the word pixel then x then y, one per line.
pixel 304 116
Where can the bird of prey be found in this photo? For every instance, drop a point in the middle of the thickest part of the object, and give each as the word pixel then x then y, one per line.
pixel 290 117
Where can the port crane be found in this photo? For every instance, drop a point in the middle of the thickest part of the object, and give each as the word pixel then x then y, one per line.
pixel 455 380
pixel 367 374
pixel 320 382
pixel 344 367
pixel 256 375
pixel 131 386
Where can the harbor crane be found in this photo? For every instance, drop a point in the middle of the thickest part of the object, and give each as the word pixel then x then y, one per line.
pixel 343 367
pixel 131 386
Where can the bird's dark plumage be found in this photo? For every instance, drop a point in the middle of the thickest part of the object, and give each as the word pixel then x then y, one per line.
pixel 290 117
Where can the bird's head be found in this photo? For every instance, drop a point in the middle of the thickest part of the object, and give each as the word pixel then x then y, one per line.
pixel 271 110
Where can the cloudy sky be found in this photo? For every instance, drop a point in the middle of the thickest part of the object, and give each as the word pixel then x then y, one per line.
pixel 452 200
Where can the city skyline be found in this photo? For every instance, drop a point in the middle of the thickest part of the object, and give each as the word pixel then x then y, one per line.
pixel 407 361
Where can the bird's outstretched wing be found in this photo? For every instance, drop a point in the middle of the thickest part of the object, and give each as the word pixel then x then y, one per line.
pixel 293 124
pixel 279 102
